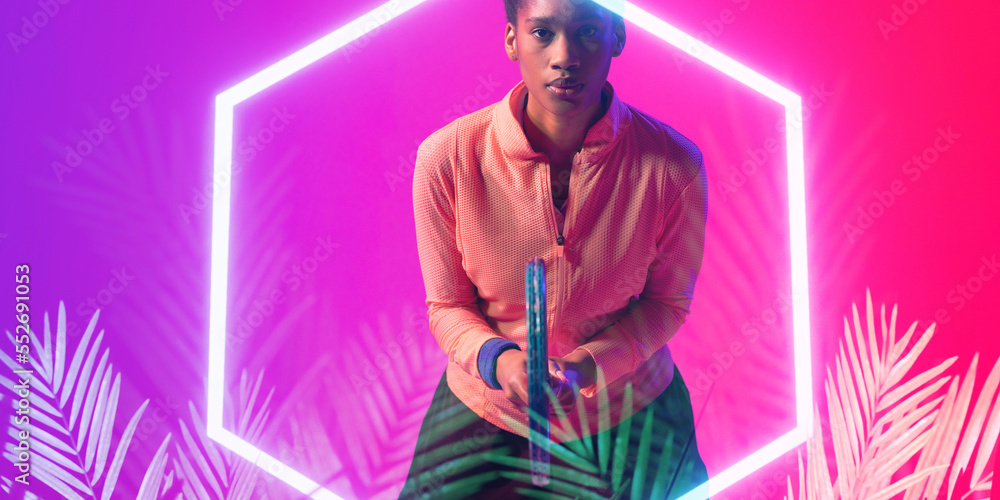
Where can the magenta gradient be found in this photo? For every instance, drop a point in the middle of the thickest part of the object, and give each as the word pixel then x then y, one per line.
pixel 339 170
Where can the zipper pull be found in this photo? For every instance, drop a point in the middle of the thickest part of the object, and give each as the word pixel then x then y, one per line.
pixel 560 241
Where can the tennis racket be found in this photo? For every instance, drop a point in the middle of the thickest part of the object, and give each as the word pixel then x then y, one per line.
pixel 538 371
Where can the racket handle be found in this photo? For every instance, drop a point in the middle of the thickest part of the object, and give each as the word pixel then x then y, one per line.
pixel 538 373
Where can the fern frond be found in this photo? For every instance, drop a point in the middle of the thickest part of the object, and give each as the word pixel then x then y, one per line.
pixel 74 407
pixel 973 434
pixel 880 415
pixel 154 473
pixel 211 472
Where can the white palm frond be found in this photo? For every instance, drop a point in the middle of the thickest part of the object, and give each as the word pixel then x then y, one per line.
pixel 210 471
pixel 881 417
pixel 954 447
pixel 73 410
pixel 151 488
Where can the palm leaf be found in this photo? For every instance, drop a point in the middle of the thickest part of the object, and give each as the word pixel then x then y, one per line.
pixel 621 442
pixel 642 462
pixel 973 435
pixel 209 471
pixel 946 445
pixel 556 483
pixel 154 473
pixel 881 417
pixel 907 482
pixel 73 412
pixel 819 472
pixel 588 470
pixel 907 433
pixel 585 468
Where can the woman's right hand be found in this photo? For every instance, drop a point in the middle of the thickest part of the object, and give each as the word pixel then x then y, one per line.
pixel 512 373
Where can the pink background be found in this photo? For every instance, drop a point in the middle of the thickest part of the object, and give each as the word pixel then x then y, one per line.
pixel 337 169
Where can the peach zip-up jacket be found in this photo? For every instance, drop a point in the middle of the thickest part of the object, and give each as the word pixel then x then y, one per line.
pixel 620 283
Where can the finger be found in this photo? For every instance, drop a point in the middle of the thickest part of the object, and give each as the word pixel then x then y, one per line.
pixel 555 368
pixel 521 390
pixel 524 399
pixel 514 397
pixel 557 371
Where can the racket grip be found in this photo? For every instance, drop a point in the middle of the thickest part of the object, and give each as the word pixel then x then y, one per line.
pixel 538 373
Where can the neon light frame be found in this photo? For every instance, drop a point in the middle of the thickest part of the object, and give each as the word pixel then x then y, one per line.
pixel 226 102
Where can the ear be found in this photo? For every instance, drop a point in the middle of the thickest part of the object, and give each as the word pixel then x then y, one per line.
pixel 510 41
pixel 619 30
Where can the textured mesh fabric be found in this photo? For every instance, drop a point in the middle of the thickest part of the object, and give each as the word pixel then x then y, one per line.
pixel 621 284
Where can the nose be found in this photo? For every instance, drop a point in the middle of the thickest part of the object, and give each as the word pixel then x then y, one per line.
pixel 563 53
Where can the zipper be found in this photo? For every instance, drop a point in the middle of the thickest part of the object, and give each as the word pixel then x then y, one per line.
pixel 560 256
pixel 560 260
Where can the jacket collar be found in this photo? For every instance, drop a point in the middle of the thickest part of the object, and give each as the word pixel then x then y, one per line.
pixel 507 117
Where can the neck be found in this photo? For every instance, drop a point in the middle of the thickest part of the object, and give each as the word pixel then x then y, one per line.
pixel 555 134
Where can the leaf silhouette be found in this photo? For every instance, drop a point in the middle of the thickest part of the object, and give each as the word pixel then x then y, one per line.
pixel 208 470
pixel 881 418
pixel 588 471
pixel 73 413
pixel 153 477
pixel 378 404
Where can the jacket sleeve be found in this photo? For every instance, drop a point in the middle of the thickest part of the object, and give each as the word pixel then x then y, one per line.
pixel 456 321
pixel 662 307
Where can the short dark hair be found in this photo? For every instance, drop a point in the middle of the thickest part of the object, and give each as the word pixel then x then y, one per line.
pixel 513 6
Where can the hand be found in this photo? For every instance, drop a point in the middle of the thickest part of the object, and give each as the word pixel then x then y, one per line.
pixel 564 387
pixel 577 368
pixel 567 375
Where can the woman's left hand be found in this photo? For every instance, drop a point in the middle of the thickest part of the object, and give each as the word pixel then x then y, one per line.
pixel 568 374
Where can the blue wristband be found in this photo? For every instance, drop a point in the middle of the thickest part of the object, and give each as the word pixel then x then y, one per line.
pixel 488 355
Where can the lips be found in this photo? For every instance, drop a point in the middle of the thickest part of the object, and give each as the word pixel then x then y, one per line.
pixel 566 91
pixel 564 83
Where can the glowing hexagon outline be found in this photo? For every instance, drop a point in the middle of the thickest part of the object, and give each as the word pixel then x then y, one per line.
pixel 226 102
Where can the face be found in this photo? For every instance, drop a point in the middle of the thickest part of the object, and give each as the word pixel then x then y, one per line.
pixel 564 50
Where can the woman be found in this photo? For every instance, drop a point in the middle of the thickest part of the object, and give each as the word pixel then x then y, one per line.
pixel 615 203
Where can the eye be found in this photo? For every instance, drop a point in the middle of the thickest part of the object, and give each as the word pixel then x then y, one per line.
pixel 540 30
pixel 588 30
